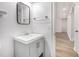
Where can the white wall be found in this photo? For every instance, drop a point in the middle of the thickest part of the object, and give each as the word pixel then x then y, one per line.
pixel 70 23
pixel 69 20
pixel 9 28
pixel 57 20
pixel 62 9
pixel 42 25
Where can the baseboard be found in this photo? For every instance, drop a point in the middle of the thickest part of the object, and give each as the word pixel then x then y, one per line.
pixel 76 51
pixel 70 38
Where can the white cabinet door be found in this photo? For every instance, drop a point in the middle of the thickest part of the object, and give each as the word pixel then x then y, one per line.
pixel 40 47
pixel 36 48
pixel 33 50
pixel 21 50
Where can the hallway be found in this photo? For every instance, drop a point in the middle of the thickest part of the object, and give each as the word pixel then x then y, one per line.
pixel 64 47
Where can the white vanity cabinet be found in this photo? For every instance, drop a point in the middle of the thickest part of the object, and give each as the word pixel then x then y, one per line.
pixel 37 48
pixel 20 49
pixel 40 47
pixel 33 49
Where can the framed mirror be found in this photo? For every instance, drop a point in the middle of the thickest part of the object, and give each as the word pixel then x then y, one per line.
pixel 23 14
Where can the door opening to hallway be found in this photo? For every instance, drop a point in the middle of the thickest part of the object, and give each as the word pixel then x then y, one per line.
pixel 64 43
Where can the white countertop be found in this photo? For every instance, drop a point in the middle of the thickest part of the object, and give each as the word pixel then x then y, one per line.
pixel 26 39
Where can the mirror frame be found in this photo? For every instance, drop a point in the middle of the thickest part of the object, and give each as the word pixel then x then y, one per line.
pixel 18 15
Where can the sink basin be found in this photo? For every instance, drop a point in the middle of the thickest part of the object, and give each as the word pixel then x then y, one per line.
pixel 28 38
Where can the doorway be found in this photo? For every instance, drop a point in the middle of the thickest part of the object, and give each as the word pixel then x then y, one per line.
pixel 64 45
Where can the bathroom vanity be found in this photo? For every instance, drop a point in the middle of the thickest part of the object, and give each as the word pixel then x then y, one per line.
pixel 31 45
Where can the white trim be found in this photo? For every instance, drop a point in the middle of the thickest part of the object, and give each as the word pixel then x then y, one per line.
pixel 76 51
pixel 52 29
pixel 69 37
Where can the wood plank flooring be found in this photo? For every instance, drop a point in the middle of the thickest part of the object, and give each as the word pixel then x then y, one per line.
pixel 64 47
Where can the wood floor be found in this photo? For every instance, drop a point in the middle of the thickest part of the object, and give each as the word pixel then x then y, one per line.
pixel 64 47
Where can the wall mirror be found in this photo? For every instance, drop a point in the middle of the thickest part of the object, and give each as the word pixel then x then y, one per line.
pixel 23 14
